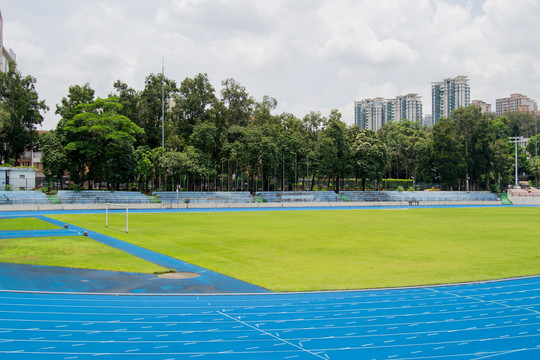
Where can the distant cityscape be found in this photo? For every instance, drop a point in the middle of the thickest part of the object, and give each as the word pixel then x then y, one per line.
pixel 446 96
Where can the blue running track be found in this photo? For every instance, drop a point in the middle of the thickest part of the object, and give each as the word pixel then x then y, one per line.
pixel 497 320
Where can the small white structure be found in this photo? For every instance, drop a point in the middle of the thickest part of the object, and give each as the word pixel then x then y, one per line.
pixel 17 178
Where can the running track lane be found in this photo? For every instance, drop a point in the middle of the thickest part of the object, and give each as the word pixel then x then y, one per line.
pixel 492 320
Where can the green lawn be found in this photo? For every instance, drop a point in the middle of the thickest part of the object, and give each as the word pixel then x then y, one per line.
pixel 25 224
pixel 349 249
pixel 71 251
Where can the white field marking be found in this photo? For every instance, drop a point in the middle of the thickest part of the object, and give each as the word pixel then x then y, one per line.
pixel 500 354
pixel 328 312
pixel 277 338
pixel 505 326
pixel 302 340
pixel 486 301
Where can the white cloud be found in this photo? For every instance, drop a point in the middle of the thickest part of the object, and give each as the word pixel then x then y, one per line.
pixel 308 54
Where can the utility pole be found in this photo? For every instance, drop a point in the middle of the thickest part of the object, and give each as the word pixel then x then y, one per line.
pixel 515 140
pixel 163 102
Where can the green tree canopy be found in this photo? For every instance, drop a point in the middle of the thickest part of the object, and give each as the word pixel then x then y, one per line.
pixel 99 143
pixel 20 114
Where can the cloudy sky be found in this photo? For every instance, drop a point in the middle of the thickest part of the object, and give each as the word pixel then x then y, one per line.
pixel 308 54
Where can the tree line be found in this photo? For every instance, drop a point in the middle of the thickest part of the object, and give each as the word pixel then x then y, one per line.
pixel 229 141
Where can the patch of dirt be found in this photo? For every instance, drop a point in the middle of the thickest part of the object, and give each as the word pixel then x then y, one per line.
pixel 179 275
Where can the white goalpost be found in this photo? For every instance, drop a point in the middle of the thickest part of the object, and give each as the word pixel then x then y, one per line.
pixel 110 206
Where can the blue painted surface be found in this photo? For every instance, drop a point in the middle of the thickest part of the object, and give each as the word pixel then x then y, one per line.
pixel 21 277
pixel 498 320
pixel 10 234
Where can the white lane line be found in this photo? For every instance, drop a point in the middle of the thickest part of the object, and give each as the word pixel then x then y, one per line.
pixel 499 354
pixel 484 301
pixel 275 337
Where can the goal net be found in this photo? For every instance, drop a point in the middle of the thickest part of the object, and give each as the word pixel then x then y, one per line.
pixel 111 206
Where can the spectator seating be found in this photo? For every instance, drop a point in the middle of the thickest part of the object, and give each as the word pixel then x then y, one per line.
pixel 101 197
pixel 299 196
pixel 22 197
pixel 205 197
pixel 424 196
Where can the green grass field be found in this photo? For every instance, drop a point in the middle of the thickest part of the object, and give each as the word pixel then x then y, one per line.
pixel 66 251
pixel 341 249
pixel 25 224
pixel 72 251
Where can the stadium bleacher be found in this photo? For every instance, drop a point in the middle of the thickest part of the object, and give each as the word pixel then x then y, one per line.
pixel 429 196
pixel 22 197
pixel 101 197
pixel 213 197
pixel 206 197
pixel 299 196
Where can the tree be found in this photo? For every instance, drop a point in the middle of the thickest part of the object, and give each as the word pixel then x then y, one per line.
pixel 520 123
pixel 534 169
pixel 53 158
pixel 335 151
pixel 99 143
pixel 533 145
pixel 371 156
pixel 448 161
pixel 502 161
pixel 238 103
pixel 21 113
pixel 195 98
pixel 150 108
pixel 144 167
pixel 129 98
pixel 399 139
pixel 76 95
pixel 263 111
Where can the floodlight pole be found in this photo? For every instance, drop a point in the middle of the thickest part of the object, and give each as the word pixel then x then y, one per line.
pixel 163 102
pixel 515 140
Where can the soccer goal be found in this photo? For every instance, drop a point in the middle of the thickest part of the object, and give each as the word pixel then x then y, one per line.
pixel 111 206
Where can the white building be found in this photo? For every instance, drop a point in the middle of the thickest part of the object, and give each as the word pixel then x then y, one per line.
pixel 373 113
pixel 449 95
pixel 5 55
pixel 17 178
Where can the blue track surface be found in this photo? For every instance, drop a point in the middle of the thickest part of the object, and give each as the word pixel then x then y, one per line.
pixel 492 320
pixel 499 320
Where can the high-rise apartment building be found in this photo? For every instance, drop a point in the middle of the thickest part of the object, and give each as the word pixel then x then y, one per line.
pixel 448 95
pixel 484 106
pixel 372 114
pixel 516 102
pixel 5 55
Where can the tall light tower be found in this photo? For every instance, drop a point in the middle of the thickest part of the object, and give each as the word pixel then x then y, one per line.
pixel 163 102
pixel 515 140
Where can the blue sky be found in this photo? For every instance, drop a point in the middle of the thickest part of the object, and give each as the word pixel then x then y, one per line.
pixel 308 54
